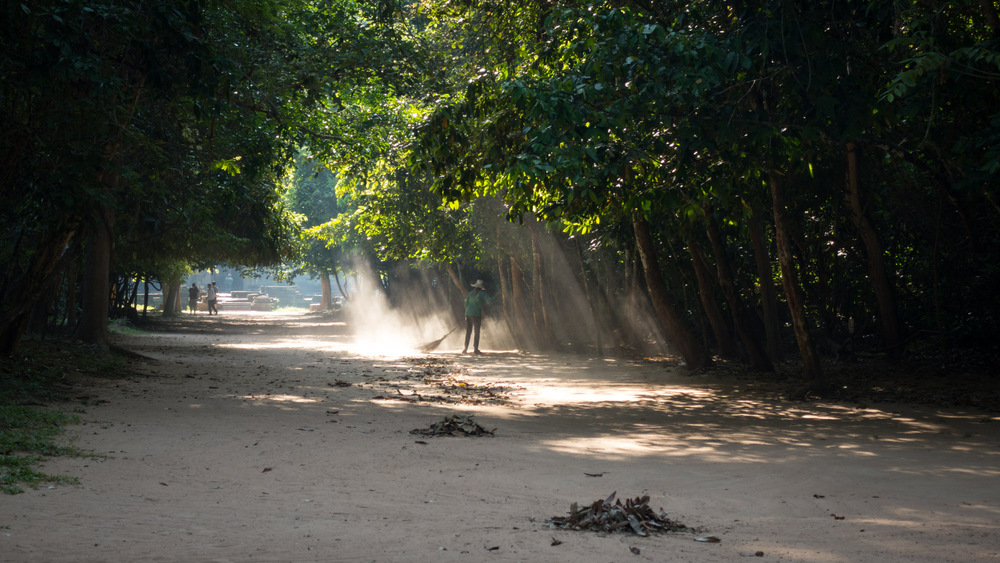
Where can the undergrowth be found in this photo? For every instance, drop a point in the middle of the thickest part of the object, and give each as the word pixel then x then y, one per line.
pixel 30 429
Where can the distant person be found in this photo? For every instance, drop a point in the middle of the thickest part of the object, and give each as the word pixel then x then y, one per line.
pixel 193 293
pixel 215 304
pixel 210 298
pixel 474 303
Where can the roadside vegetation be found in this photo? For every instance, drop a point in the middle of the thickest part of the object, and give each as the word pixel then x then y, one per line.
pixel 37 403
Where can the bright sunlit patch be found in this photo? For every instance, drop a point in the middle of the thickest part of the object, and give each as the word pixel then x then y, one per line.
pixel 555 391
pixel 287 343
pixel 606 446
pixel 819 417
pixel 281 399
pixel 634 445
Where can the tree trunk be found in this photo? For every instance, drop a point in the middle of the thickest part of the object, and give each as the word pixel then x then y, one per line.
pixel 505 296
pixel 526 335
pixel 876 264
pixel 671 319
pixel 325 290
pixel 538 296
pixel 758 357
pixel 93 326
pixel 990 15
pixel 340 288
pixel 171 291
pixel 38 320
pixel 457 280
pixel 716 320
pixel 591 300
pixel 811 370
pixel 768 295
pixel 20 295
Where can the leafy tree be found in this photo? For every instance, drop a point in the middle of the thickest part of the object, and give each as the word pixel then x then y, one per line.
pixel 183 118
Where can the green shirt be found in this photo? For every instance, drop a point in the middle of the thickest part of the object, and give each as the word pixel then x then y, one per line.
pixel 475 301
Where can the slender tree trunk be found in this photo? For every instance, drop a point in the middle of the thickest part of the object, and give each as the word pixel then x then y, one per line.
pixel 591 299
pixel 876 264
pixel 526 336
pixel 457 280
pixel 811 370
pixel 673 322
pixel 716 320
pixel 768 294
pixel 758 357
pixel 340 288
pixel 538 293
pixel 505 301
pixel 132 311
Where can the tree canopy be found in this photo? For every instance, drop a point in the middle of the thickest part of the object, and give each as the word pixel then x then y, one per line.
pixel 772 180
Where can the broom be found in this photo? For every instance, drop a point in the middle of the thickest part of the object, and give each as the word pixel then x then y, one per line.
pixel 431 346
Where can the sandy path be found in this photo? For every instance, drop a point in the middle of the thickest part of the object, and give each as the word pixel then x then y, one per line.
pixel 246 443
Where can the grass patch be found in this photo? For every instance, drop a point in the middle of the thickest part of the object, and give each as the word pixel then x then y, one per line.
pixel 16 471
pixel 27 436
pixel 124 326
pixel 38 376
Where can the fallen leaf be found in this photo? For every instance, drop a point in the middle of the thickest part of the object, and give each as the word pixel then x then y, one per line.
pixel 594 474
pixel 494 548
pixel 165 485
pixel 420 442
pixel 708 539
pixel 266 469
pixel 634 550
pixel 555 542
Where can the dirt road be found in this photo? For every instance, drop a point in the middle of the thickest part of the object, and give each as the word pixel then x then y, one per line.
pixel 269 438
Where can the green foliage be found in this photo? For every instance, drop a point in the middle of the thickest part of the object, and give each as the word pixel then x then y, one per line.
pixel 256 132
pixel 672 111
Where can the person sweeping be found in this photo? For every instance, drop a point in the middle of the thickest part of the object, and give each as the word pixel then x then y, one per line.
pixel 474 303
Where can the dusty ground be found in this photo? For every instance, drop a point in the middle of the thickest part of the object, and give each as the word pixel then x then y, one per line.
pixel 266 438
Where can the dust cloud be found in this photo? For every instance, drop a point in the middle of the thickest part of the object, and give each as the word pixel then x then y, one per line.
pixel 543 302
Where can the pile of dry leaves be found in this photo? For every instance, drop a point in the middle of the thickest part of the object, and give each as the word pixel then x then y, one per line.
pixel 602 516
pixel 454 425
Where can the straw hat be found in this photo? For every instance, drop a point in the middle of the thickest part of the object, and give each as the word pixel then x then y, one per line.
pixel 480 284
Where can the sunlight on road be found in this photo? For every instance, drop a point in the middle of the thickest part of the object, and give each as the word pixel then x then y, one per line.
pixel 368 349
pixel 618 447
pixel 280 399
pixel 557 392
